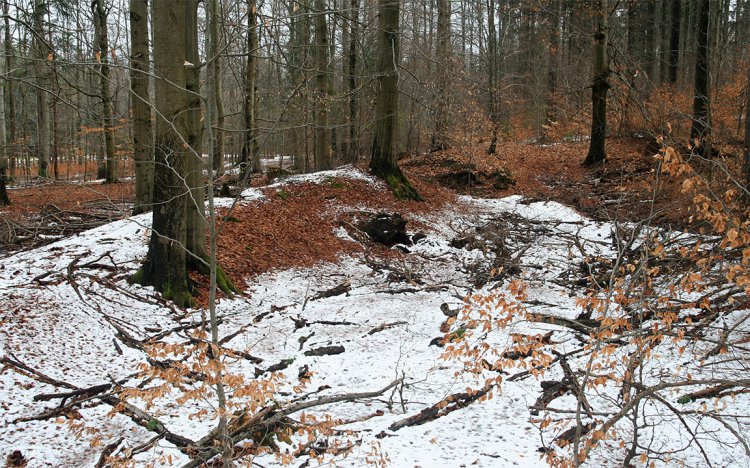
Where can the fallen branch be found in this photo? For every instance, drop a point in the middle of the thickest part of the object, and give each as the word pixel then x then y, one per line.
pixel 441 408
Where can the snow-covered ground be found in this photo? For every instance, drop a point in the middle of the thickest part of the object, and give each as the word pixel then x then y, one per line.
pixel 67 305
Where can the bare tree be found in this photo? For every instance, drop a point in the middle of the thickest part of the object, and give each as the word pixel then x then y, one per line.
pixel 142 130
pixel 597 151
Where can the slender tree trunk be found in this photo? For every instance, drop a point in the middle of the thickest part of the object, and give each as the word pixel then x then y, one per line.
pixel 142 131
pixel 218 134
pixel 674 40
pixel 383 158
pixel 250 153
pixel 322 131
pixel 747 134
pixel 353 120
pixel 492 59
pixel 11 108
pixel 440 137
pixel 700 132
pixel 102 44
pixel 597 152
pixel 196 206
pixel 4 199
pixel 42 112
pixel 166 267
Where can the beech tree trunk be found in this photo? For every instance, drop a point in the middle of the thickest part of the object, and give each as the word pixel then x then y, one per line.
pixel 439 137
pixel 11 108
pixel 352 63
pixel 102 54
pixel 250 153
pixel 700 132
pixel 674 40
pixel 4 199
pixel 597 152
pixel 165 267
pixel 383 157
pixel 322 132
pixel 41 52
pixel 142 131
pixel 218 99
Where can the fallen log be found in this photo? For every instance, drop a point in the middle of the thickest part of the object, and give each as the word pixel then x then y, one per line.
pixel 441 408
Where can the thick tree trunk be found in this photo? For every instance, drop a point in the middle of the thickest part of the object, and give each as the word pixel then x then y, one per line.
pixel 42 112
pixel 597 152
pixel 102 44
pixel 142 131
pixel 747 134
pixel 322 132
pixel 383 157
pixel 700 132
pixel 165 267
pixel 250 153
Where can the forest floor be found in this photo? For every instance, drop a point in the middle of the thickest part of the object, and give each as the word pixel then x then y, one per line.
pixel 332 310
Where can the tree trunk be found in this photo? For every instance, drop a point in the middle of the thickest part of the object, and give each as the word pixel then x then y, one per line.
pixel 674 40
pixel 142 131
pixel 322 132
pixel 250 153
pixel 196 206
pixel 11 108
pixel 747 135
pixel 597 152
pixel 353 38
pixel 4 199
pixel 41 52
pixel 492 71
pixel 102 44
pixel 440 137
pixel 165 267
pixel 218 146
pixel 383 157
pixel 700 132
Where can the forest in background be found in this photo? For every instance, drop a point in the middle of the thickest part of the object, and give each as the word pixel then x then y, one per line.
pixel 633 112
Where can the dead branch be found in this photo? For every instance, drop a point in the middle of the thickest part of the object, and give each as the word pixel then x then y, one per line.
pixel 441 408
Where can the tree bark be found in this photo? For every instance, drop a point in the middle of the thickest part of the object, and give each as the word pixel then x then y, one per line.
pixel 196 202
pixel 352 63
pixel 383 157
pixel 4 199
pixel 322 132
pixel 41 52
pixel 218 147
pixel 11 108
pixel 597 152
pixel 674 40
pixel 439 137
pixel 165 267
pixel 700 131
pixel 102 43
pixel 142 131
pixel 250 153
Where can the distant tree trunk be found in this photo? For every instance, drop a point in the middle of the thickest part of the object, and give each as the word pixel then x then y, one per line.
pixel 597 152
pixel 747 133
pixel 492 72
pixel 142 131
pixel 353 38
pixel 700 133
pixel 218 156
pixel 383 157
pixel 165 267
pixel 322 131
pixel 250 153
pixel 11 152
pixel 439 137
pixel 102 44
pixel 674 40
pixel 41 51
pixel 4 199
pixel 552 70
pixel 196 206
